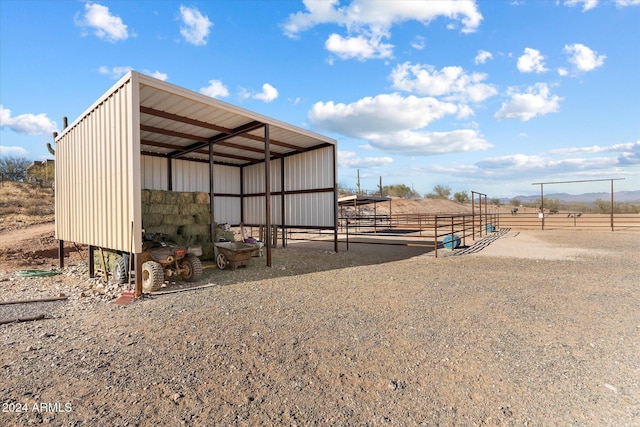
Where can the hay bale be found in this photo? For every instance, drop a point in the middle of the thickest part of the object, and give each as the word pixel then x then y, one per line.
pixel 202 198
pixel 152 219
pixel 178 198
pixel 156 197
pixel 195 230
pixel 202 219
pixel 194 209
pixel 164 209
pixel 207 251
pixel 144 198
pixel 178 219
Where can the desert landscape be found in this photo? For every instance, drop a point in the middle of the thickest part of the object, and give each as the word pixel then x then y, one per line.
pixel 523 327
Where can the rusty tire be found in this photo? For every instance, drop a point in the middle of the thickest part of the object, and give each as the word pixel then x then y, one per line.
pixel 152 276
pixel 192 268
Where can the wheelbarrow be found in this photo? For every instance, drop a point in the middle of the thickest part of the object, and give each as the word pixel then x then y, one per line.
pixel 233 254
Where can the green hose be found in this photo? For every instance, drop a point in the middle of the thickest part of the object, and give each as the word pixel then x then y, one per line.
pixel 36 273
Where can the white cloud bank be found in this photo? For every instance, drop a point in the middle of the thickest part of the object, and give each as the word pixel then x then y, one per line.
pixel 29 124
pixel 536 101
pixel 195 26
pixel 396 124
pixel 349 159
pixel 368 23
pixel 591 4
pixel 451 83
pixel 12 151
pixel 104 25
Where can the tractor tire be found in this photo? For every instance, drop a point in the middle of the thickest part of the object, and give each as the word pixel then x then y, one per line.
pixel 121 270
pixel 192 267
pixel 152 276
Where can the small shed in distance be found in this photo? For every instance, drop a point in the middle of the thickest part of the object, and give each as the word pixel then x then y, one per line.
pixel 145 135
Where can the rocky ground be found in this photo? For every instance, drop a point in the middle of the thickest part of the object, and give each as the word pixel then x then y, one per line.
pixel 530 328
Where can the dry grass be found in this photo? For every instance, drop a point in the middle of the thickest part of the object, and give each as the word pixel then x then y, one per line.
pixel 23 204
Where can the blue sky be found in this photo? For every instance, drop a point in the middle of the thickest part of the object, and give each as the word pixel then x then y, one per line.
pixel 489 96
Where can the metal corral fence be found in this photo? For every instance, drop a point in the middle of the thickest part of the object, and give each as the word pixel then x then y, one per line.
pixel 456 230
pixel 570 220
pixel 449 231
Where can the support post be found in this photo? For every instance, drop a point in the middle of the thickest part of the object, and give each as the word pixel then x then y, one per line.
pixel 61 253
pixel 212 226
pixel 267 193
pixel 92 266
pixel 611 205
pixel 137 258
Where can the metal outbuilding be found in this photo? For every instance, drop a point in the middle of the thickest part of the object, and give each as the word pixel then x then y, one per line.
pixel 147 134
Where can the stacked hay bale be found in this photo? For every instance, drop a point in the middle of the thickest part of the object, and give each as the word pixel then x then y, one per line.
pixel 180 218
pixel 184 218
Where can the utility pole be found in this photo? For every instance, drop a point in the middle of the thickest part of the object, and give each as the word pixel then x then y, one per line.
pixel 358 183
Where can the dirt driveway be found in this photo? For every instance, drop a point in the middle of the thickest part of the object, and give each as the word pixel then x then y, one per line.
pixel 537 328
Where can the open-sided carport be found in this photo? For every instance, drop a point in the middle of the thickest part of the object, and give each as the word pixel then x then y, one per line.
pixel 146 134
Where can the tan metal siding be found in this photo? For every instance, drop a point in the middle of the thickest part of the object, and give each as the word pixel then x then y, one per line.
pixel 190 176
pixel 226 210
pixel 309 171
pixel 254 177
pixel 254 210
pixel 310 210
pixel 155 174
pixel 98 173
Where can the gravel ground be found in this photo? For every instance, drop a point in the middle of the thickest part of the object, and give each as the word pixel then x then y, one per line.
pixel 536 328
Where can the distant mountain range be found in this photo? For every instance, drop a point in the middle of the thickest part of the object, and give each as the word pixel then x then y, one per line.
pixel 618 197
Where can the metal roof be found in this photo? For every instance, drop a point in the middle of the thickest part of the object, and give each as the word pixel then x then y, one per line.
pixel 180 124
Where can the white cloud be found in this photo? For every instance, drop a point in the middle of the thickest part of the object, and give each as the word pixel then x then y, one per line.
pixel 358 47
pixel 590 4
pixel 105 25
pixel 583 58
pixel 536 101
pixel 29 124
pixel 586 4
pixel 12 151
pixel 215 89
pixel 424 143
pixel 117 72
pixel 630 147
pixel 349 159
pixel 562 72
pixel 382 113
pixel 368 22
pixel 418 43
pixel 531 61
pixel 268 94
pixel 395 124
pixel 453 83
pixel 156 74
pixel 195 26
pixel 482 57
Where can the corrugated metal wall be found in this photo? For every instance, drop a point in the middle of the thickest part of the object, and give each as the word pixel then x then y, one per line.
pixel 194 177
pixel 312 170
pixel 98 173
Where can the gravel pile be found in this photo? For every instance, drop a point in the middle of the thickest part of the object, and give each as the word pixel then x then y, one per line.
pixel 378 335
